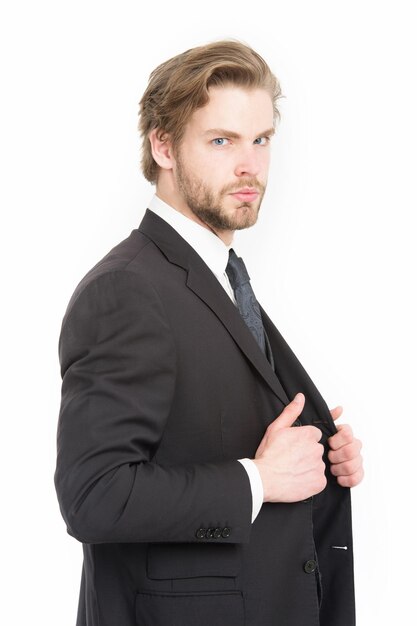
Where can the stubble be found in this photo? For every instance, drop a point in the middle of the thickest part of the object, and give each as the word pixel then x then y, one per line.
pixel 208 206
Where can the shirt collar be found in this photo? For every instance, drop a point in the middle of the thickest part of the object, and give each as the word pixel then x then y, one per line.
pixel 213 251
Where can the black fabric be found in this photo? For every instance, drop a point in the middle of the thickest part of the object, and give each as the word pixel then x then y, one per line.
pixel 205 609
pixel 163 390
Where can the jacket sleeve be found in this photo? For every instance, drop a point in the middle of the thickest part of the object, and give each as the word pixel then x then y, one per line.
pixel 118 365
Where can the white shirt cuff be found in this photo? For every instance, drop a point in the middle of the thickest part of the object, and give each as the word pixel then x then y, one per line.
pixel 255 485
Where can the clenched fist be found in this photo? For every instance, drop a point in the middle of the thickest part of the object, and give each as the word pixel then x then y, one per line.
pixel 290 460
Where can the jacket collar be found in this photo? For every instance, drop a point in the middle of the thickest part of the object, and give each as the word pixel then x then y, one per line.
pixel 205 285
pixel 213 251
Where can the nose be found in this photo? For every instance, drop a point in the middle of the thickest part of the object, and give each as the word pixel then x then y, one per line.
pixel 248 162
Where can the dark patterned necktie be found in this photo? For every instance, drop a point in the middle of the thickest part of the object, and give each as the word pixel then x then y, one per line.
pixel 246 301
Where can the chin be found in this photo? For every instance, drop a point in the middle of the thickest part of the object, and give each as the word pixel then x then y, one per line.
pixel 245 216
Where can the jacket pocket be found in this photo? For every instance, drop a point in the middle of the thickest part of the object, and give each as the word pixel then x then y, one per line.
pixel 196 609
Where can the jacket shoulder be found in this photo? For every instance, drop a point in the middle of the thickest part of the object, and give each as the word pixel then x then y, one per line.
pixel 123 259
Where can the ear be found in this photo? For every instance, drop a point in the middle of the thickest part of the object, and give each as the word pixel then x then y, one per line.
pixel 161 148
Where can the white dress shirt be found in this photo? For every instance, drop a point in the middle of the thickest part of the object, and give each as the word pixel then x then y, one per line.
pixel 215 254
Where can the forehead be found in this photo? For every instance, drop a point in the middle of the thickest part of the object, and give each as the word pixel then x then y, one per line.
pixel 239 109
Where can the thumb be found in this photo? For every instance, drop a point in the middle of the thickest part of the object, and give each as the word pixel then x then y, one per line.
pixel 291 412
pixel 336 412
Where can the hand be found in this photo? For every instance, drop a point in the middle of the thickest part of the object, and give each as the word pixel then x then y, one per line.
pixel 290 460
pixel 344 455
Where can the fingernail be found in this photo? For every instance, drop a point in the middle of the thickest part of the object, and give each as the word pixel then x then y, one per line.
pixel 298 398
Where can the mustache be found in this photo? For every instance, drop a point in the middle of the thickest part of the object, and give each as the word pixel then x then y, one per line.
pixel 249 182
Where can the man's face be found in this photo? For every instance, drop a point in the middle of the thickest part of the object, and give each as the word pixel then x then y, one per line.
pixel 225 150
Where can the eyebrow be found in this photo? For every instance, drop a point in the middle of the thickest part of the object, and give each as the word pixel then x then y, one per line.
pixel 222 132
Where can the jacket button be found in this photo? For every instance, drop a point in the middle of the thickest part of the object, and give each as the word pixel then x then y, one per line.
pixel 210 533
pixel 310 566
pixel 297 422
pixel 201 533
pixel 226 532
pixel 217 533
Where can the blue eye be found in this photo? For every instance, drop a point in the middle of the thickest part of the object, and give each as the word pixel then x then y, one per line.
pixel 257 141
pixel 221 141
pixel 218 139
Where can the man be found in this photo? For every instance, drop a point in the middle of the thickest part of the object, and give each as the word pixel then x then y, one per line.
pixel 197 462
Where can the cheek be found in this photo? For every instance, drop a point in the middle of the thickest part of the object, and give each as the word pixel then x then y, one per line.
pixel 265 160
pixel 198 164
pixel 211 169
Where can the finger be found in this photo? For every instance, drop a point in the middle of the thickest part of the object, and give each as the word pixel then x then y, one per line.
pixel 343 436
pixel 345 453
pixel 336 412
pixel 290 413
pixel 315 432
pixel 353 480
pixel 348 468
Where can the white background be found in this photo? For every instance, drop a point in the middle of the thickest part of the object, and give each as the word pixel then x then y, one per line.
pixel 331 258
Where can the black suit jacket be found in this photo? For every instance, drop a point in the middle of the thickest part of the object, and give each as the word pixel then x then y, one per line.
pixel 164 388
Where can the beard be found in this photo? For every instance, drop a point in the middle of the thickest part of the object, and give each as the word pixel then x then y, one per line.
pixel 207 205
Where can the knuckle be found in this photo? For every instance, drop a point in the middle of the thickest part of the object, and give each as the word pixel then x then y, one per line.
pixel 357 464
pixel 344 481
pixel 317 432
pixel 344 433
pixel 331 456
pixel 320 471
pixel 322 483
pixel 313 432
pixel 349 468
pixel 352 450
pixel 352 480
pixel 343 456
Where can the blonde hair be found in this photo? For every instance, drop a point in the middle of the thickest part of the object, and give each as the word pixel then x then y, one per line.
pixel 180 85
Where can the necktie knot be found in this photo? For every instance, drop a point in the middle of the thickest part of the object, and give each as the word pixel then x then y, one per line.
pixel 247 302
pixel 236 270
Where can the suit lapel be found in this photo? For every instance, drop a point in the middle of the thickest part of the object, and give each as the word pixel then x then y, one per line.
pixel 202 281
pixel 208 289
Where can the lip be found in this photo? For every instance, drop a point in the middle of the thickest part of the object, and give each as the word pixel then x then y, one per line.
pixel 247 190
pixel 247 194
